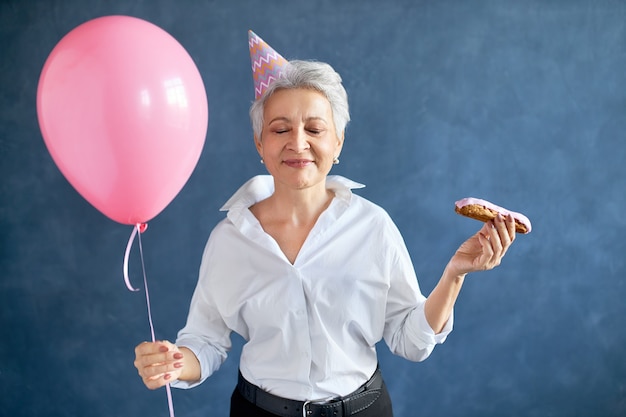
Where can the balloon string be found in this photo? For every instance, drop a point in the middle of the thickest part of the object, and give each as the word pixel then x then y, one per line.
pixel 145 283
pixel 126 256
pixel 137 230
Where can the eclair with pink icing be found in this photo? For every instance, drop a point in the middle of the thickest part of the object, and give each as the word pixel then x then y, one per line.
pixel 484 210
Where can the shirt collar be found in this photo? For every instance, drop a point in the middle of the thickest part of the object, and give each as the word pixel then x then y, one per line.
pixel 261 187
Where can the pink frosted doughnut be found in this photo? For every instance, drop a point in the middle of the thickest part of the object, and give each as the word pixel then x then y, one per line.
pixel 483 210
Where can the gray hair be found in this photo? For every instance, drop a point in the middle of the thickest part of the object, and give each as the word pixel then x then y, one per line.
pixel 313 75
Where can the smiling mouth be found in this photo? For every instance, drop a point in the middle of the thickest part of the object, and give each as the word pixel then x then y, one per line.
pixel 297 163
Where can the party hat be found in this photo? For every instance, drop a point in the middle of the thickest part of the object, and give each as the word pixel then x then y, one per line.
pixel 267 64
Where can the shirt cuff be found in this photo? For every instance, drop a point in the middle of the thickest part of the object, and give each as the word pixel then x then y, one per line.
pixel 425 334
pixel 198 348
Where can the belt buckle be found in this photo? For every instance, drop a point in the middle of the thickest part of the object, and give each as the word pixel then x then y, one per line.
pixel 306 412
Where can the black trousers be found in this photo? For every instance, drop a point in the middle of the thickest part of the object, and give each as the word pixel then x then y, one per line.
pixel 240 407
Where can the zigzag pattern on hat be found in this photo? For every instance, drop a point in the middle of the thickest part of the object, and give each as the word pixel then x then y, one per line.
pixel 267 64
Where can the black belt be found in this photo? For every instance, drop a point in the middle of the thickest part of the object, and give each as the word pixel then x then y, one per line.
pixel 351 404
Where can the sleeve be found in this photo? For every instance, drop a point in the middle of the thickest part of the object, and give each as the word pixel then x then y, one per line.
pixel 205 333
pixel 407 332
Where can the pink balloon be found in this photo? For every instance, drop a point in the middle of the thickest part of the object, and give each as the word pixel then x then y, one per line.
pixel 123 111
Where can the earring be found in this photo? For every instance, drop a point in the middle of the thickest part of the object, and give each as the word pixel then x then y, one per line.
pixel 262 161
pixel 336 161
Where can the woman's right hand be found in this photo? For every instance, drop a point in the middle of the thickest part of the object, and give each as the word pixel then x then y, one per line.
pixel 158 363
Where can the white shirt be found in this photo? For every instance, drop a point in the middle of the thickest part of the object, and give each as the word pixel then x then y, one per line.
pixel 311 326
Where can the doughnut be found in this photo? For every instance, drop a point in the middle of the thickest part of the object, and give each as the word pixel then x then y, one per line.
pixel 483 210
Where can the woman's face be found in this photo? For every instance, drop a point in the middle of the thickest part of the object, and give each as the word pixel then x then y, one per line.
pixel 298 142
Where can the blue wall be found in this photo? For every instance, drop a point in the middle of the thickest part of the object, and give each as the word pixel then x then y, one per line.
pixel 519 102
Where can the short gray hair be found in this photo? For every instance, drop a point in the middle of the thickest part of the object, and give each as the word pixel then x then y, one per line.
pixel 313 75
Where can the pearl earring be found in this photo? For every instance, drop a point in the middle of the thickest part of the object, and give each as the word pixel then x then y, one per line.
pixel 336 160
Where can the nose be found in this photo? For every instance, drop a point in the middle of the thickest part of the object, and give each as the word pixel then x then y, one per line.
pixel 298 140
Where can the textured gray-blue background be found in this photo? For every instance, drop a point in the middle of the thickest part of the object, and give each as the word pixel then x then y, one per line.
pixel 519 102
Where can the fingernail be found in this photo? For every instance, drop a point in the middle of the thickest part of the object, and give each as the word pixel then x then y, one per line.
pixel 163 349
pixel 178 355
pixel 178 365
pixel 167 376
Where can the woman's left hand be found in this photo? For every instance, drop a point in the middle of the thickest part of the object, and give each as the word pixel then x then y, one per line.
pixel 485 249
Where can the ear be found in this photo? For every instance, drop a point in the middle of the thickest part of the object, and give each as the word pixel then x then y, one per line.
pixel 339 144
pixel 259 145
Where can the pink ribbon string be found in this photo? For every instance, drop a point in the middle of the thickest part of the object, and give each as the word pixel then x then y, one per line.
pixel 126 256
pixel 137 230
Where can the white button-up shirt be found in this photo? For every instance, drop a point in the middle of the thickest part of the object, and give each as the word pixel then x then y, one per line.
pixel 311 326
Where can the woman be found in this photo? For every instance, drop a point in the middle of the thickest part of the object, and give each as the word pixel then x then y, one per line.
pixel 310 274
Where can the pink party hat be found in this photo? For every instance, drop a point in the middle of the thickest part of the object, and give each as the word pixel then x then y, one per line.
pixel 267 64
